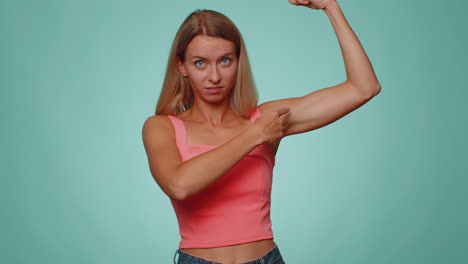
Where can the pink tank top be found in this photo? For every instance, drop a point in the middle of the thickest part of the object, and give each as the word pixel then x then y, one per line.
pixel 235 209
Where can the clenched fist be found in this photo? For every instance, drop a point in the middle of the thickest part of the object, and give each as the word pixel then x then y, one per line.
pixel 314 4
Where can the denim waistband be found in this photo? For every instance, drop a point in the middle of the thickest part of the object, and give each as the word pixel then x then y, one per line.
pixel 271 257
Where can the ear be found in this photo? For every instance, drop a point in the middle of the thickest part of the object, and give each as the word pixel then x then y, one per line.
pixel 181 67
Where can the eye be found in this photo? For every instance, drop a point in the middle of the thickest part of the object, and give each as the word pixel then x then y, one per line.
pixel 199 63
pixel 226 61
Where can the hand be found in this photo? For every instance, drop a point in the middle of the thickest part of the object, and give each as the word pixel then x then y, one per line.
pixel 270 125
pixel 314 4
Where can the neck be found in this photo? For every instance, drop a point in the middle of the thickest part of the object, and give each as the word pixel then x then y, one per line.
pixel 212 113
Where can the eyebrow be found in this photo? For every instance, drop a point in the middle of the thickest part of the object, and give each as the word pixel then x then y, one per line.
pixel 224 55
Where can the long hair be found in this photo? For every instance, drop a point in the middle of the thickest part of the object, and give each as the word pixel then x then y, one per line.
pixel 176 93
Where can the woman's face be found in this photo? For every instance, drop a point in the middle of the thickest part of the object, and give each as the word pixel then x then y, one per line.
pixel 211 67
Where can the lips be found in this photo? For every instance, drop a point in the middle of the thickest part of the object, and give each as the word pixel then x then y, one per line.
pixel 213 90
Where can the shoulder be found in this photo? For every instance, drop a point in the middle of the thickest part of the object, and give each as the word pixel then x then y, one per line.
pixel 267 107
pixel 156 121
pixel 255 113
pixel 157 125
pixel 263 109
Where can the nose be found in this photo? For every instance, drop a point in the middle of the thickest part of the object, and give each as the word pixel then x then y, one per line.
pixel 215 76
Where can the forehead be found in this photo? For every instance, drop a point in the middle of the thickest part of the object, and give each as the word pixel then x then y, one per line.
pixel 208 47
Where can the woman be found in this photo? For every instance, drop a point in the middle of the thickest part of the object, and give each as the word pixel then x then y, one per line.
pixel 212 150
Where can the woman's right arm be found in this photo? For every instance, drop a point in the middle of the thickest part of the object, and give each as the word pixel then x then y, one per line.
pixel 180 180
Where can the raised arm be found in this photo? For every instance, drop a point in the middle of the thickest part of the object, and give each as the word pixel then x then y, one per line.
pixel 327 105
pixel 180 180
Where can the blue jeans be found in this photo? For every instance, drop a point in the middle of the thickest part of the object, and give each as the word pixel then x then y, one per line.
pixel 271 257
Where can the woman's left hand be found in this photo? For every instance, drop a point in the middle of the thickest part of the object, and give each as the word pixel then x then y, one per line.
pixel 314 4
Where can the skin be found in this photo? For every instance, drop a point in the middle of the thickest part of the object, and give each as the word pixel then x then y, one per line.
pixel 210 121
pixel 211 62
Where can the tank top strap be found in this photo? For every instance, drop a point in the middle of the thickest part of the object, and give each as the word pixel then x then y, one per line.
pixel 179 129
pixel 256 114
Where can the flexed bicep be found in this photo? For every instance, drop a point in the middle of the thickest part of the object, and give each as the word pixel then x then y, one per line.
pixel 319 108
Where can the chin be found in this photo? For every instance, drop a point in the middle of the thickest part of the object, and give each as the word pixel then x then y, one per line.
pixel 216 99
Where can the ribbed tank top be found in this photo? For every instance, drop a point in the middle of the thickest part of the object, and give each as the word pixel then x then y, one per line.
pixel 235 209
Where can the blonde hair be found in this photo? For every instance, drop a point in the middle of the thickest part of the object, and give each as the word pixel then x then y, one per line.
pixel 176 94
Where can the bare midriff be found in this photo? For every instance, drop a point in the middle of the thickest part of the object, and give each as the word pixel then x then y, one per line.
pixel 233 254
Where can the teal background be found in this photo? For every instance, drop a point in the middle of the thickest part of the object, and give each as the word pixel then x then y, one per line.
pixel 384 184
